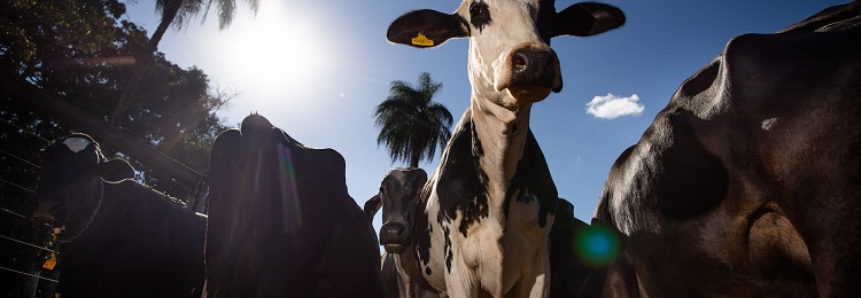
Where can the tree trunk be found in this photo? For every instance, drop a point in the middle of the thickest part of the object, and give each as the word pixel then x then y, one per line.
pixel 171 8
pixel 415 156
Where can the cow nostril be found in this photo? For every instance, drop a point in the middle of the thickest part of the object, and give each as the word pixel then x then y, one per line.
pixel 519 61
pixel 392 233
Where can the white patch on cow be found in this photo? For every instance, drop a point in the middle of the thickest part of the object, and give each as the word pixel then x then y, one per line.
pixel 76 144
pixel 768 123
pixel 612 106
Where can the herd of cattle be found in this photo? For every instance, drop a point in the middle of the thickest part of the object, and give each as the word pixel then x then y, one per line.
pixel 748 184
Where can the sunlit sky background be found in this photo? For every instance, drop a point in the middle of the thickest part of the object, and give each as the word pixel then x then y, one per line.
pixel 318 68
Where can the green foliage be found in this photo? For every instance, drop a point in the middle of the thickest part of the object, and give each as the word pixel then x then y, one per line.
pixel 411 124
pixel 81 52
pixel 189 9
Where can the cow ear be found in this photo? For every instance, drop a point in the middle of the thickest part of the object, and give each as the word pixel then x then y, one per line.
pixel 426 28
pixel 587 19
pixel 115 170
pixel 372 206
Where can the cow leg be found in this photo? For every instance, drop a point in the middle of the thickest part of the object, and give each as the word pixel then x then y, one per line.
pixel 541 283
pixel 459 282
pixel 537 284
pixel 621 280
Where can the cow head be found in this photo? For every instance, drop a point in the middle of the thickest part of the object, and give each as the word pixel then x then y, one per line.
pixel 73 170
pixel 399 198
pixel 511 63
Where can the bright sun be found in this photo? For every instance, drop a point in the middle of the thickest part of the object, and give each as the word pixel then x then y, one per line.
pixel 276 51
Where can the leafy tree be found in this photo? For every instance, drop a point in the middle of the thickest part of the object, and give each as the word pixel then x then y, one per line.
pixel 411 124
pixel 175 13
pixel 80 52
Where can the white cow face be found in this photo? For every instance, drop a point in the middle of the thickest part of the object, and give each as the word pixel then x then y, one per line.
pixel 510 59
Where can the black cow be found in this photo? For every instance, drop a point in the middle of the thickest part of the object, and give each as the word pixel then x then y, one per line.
pixel 120 238
pixel 281 222
pixel 748 184
pixel 573 268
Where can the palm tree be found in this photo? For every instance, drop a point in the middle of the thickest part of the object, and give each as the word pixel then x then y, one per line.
pixel 177 13
pixel 412 125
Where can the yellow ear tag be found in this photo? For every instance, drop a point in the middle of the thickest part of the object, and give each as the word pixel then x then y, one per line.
pixel 51 262
pixel 422 40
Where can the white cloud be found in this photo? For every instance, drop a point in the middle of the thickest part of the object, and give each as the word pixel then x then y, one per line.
pixel 611 106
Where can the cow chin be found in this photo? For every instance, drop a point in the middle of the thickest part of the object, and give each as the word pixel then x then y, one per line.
pixel 529 94
pixel 395 248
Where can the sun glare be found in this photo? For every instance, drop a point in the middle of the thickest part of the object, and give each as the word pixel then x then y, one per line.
pixel 276 52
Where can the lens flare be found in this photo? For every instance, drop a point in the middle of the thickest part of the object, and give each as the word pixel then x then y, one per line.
pixel 289 190
pixel 597 245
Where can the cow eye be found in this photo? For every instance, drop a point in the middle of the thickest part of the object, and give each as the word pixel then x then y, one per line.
pixel 479 15
pixel 382 190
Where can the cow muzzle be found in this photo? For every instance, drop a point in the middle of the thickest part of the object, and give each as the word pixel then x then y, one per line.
pixel 45 212
pixel 533 70
pixel 394 237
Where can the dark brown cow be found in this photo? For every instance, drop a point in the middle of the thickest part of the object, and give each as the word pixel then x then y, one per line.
pixel 281 222
pixel 748 184
pixel 401 204
pixel 571 270
pixel 121 238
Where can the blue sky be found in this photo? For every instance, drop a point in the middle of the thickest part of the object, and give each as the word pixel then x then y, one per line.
pixel 317 69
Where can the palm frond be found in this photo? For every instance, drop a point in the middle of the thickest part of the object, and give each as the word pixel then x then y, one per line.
pixel 411 124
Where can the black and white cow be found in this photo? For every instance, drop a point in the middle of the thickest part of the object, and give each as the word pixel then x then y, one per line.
pixel 120 238
pixel 490 203
pixel 399 197
pixel 748 184
pixel 281 222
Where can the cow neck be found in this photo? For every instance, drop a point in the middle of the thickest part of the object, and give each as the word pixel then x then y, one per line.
pixel 500 133
pixel 92 216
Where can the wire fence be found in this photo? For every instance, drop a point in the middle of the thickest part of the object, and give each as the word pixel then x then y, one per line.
pixel 26 131
pixel 10 154
pixel 17 186
pixel 27 274
pixel 28 244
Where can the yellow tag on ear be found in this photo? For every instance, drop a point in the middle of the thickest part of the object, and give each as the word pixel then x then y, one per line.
pixel 51 262
pixel 422 40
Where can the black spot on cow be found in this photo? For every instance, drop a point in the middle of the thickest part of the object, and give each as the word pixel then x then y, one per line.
pixel 423 242
pixel 479 14
pixel 447 249
pixel 462 183
pixel 477 149
pixel 533 177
